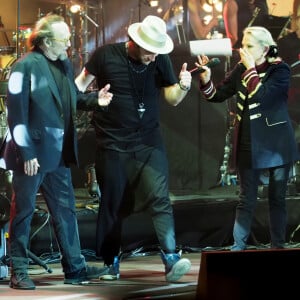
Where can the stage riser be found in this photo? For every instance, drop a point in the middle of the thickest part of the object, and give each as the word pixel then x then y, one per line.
pixel 199 224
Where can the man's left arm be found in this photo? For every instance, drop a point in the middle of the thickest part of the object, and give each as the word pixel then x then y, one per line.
pixel 175 93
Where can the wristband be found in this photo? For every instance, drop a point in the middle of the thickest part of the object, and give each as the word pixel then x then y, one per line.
pixel 183 88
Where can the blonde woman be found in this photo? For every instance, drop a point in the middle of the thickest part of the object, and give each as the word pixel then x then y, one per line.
pixel 264 139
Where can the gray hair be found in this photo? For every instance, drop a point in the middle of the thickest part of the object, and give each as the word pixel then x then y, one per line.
pixel 43 29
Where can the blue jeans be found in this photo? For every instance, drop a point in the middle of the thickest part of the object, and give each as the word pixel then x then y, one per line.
pixel 249 182
pixel 58 193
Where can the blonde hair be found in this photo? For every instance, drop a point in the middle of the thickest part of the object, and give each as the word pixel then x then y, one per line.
pixel 264 37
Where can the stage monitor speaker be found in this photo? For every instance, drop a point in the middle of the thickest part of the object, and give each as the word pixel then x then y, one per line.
pixel 249 274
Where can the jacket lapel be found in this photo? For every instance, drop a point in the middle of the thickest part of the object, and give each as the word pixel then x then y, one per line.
pixel 45 72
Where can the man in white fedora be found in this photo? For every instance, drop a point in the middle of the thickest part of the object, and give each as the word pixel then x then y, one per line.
pixel 131 163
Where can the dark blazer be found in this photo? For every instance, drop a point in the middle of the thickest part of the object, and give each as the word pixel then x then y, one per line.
pixel 35 115
pixel 272 135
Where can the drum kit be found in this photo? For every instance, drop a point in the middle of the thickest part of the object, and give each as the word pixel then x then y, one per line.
pixel 8 56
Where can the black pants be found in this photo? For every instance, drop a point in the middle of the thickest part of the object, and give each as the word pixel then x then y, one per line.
pixel 132 182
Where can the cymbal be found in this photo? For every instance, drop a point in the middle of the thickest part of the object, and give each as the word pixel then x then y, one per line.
pixel 21 27
pixel 56 1
pixel 67 1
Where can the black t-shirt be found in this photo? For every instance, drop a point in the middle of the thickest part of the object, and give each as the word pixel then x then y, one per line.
pixel 61 79
pixel 119 126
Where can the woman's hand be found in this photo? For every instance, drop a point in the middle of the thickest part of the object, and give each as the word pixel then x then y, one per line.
pixel 206 75
pixel 247 59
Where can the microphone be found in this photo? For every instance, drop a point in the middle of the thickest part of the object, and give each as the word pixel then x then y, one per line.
pixel 212 63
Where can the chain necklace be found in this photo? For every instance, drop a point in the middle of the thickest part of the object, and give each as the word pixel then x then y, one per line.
pixel 138 69
pixel 138 75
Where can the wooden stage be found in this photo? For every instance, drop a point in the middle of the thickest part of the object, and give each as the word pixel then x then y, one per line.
pixel 204 223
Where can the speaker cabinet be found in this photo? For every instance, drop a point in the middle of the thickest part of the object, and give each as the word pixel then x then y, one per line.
pixel 249 274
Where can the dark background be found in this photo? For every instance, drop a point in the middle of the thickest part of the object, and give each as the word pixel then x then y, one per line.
pixel 194 131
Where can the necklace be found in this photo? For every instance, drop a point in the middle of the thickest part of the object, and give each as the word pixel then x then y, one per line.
pixel 138 81
pixel 141 109
pixel 138 68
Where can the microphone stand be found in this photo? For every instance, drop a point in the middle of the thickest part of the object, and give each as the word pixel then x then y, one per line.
pixel 282 32
pixel 17 29
pixel 85 30
pixel 89 18
pixel 254 16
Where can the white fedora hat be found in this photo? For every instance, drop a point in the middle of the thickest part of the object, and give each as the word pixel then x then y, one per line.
pixel 151 35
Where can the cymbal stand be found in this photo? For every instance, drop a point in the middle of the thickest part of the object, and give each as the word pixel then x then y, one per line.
pixel 85 32
pixel 17 29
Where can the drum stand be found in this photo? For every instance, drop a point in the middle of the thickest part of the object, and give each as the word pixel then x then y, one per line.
pixel 38 261
pixel 5 259
pixel 227 177
pixel 4 218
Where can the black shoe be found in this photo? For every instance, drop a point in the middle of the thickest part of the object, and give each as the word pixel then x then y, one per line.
pixel 85 274
pixel 21 281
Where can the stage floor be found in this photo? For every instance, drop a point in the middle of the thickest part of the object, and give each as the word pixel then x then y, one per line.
pixel 142 277
pixel 203 221
pixel 214 275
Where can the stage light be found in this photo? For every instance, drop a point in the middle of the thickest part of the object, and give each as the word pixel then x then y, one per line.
pixel 159 10
pixel 212 8
pixel 153 3
pixel 75 8
pixel 208 7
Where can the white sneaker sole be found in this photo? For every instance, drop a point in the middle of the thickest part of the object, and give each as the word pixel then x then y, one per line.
pixel 178 270
pixel 109 277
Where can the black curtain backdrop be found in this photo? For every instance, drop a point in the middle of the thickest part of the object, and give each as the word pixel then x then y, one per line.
pixel 194 131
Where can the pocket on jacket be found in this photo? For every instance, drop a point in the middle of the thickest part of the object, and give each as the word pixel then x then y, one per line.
pixel 271 122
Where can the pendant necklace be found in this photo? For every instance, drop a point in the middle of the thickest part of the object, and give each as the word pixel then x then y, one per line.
pixel 141 109
pixel 138 74
pixel 137 69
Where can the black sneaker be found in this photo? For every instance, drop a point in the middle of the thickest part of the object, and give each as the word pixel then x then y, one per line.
pixel 21 281
pixel 85 274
